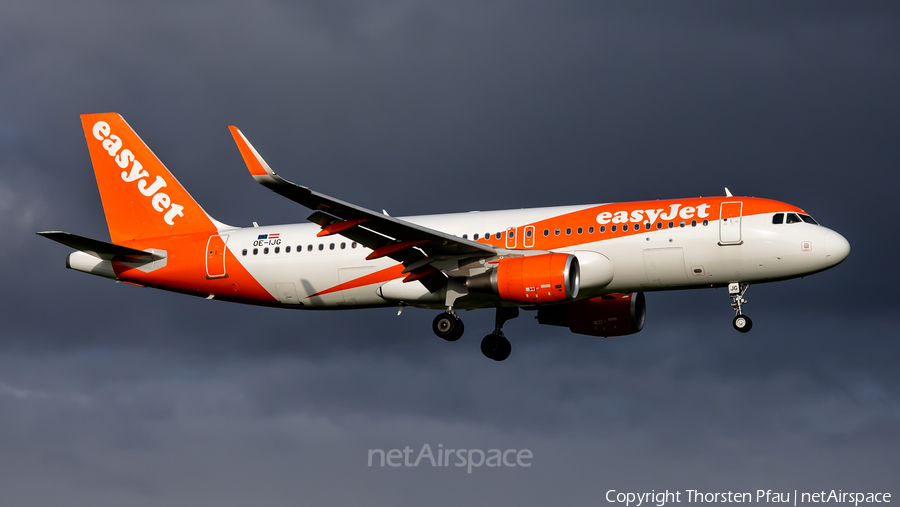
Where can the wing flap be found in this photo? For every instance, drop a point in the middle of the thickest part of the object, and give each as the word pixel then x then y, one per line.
pixel 337 227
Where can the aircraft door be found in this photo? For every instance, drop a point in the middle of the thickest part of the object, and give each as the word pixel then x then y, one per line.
pixel 215 256
pixel 528 240
pixel 730 223
pixel 665 267
pixel 510 237
pixel 286 293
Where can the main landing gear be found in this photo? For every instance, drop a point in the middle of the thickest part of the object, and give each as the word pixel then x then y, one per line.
pixel 736 291
pixel 494 346
pixel 448 326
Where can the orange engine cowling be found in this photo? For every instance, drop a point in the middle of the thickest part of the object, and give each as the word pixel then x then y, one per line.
pixel 607 315
pixel 535 279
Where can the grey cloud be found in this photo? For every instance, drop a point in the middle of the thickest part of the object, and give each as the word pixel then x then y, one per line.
pixel 113 395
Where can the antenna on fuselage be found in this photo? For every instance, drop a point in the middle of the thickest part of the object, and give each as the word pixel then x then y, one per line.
pixel 728 192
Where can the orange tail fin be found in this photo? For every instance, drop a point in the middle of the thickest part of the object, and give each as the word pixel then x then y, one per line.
pixel 141 198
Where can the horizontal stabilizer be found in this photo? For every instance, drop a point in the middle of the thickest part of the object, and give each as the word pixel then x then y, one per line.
pixel 97 248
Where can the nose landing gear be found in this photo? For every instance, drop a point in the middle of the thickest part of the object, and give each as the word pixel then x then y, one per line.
pixel 736 291
pixel 742 323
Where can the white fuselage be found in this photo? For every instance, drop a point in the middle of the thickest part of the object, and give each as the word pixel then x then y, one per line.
pixel 655 259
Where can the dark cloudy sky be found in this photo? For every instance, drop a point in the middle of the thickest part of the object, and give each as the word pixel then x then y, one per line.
pixel 112 395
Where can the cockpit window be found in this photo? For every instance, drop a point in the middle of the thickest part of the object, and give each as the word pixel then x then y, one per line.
pixel 808 219
pixel 792 218
pixel 778 218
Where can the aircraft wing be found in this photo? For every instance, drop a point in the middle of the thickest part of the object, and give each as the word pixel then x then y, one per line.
pixel 385 235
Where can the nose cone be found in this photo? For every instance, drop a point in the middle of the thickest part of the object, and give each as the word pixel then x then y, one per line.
pixel 836 248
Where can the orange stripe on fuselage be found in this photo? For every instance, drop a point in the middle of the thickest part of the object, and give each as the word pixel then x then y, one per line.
pixel 384 275
pixel 185 271
pixel 661 208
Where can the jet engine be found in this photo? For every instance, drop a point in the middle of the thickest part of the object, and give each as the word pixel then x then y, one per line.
pixel 606 315
pixel 535 279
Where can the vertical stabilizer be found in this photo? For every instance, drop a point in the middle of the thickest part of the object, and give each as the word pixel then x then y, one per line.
pixel 141 198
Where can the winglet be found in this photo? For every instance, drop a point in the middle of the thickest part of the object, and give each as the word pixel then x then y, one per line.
pixel 255 162
pixel 728 192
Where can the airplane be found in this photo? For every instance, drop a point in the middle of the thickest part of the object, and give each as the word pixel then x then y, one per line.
pixel 585 267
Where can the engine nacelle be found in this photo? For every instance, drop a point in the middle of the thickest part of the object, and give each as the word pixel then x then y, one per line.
pixel 607 315
pixel 535 279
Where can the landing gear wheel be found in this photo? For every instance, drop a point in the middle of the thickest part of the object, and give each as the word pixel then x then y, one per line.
pixel 742 323
pixel 736 291
pixel 448 326
pixel 495 347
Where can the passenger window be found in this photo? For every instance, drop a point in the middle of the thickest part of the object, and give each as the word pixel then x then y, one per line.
pixel 465 236
pixel 487 235
pixel 287 249
pixel 331 246
pixel 568 231
pixel 646 226
pixel 602 228
pixel 612 229
pixel 475 237
pixel 778 218
pixel 266 250
pixel 546 232
pixel 343 246
pixel 309 248
pixel 255 251
pixel 277 249
pixel 353 245
pixel 321 247
pixel 244 252
pixel 511 234
pixel 659 225
pixel 792 218
pixel 528 233
pixel 498 235
pixel 705 222
pixel 693 223
pixel 624 227
pixel 681 224
pixel 556 232
pixel 591 229
pixel 671 224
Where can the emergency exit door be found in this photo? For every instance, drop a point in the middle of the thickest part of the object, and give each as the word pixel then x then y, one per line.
pixel 215 256
pixel 730 223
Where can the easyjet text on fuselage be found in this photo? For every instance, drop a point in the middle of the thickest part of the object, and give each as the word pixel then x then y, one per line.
pixel 637 216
